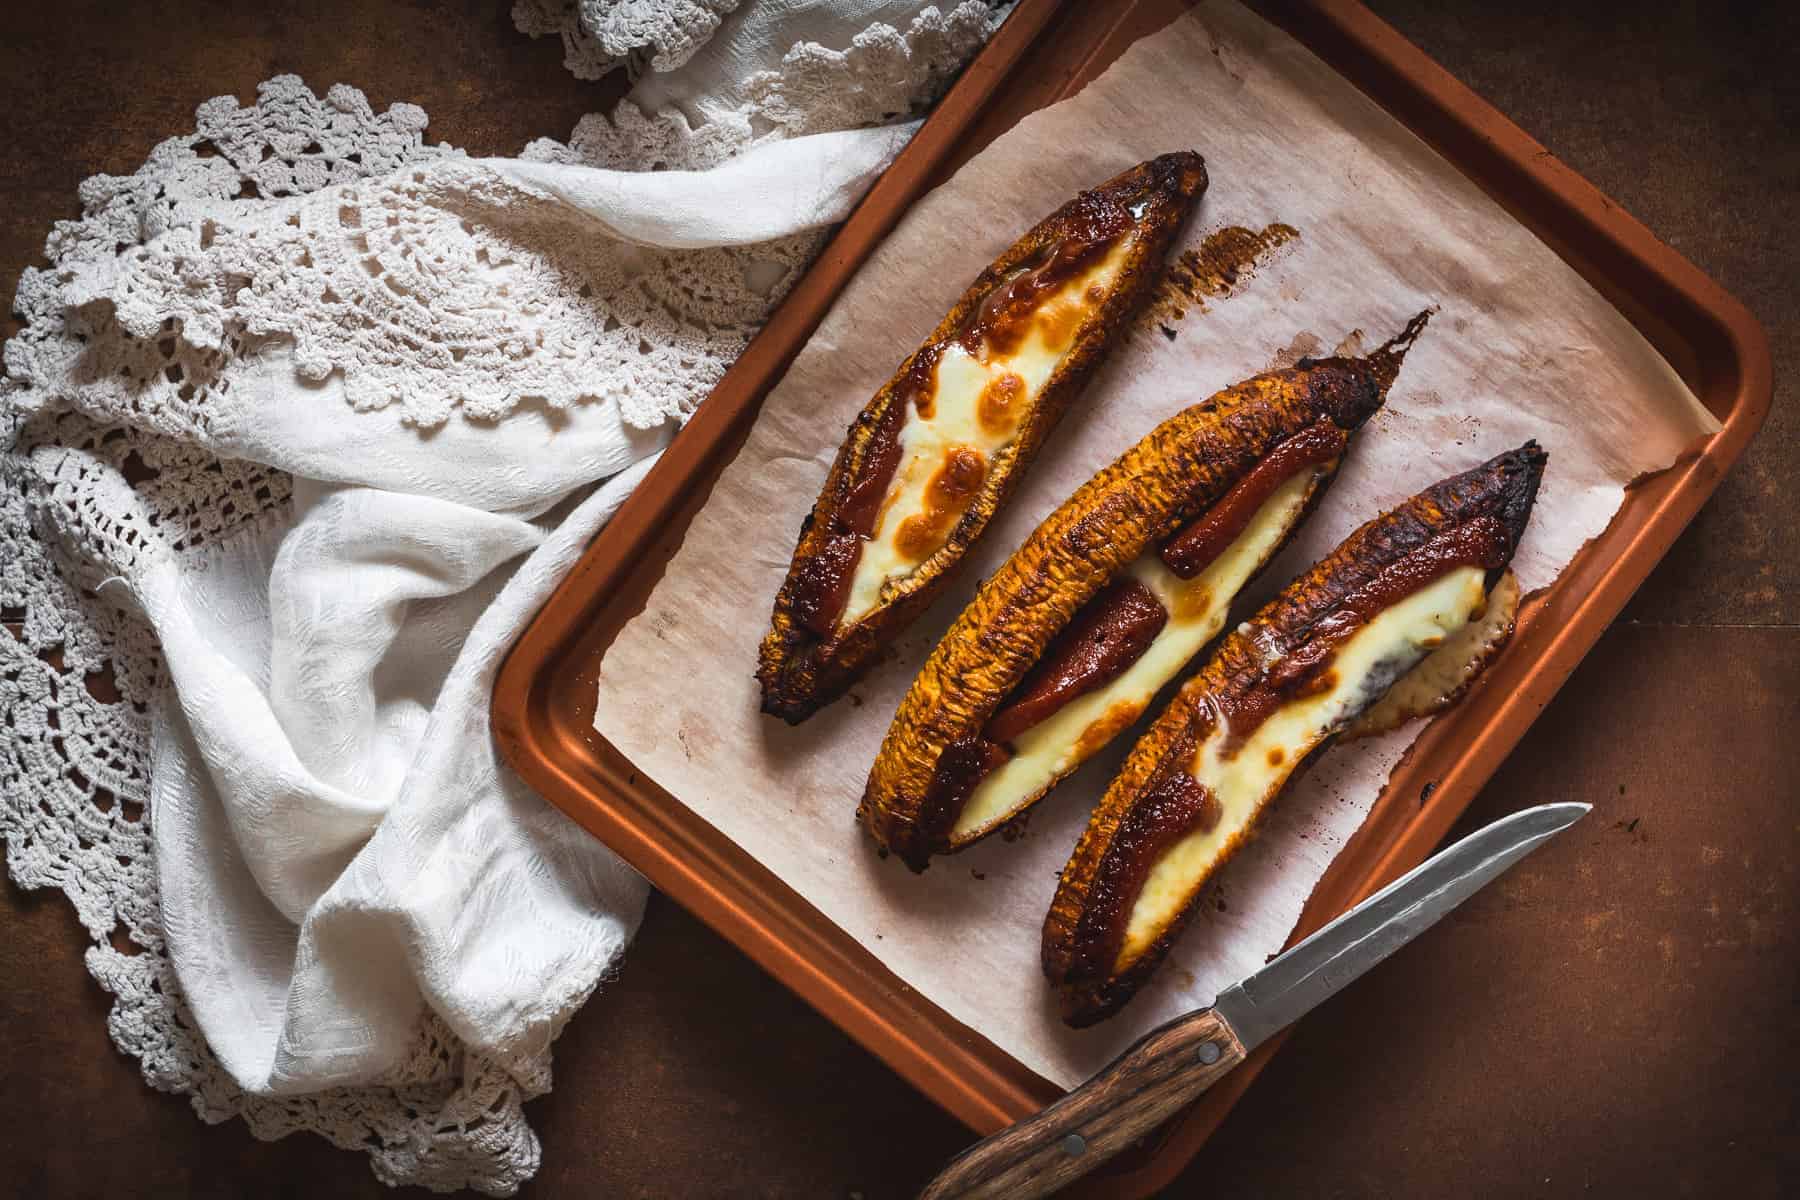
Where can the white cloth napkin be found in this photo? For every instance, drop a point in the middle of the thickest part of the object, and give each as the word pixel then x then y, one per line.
pixel 338 843
pixel 778 189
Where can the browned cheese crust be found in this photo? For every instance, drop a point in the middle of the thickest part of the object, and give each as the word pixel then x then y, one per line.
pixel 801 671
pixel 1176 473
pixel 1081 932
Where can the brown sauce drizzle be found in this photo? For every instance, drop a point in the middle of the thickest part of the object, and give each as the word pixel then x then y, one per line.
pixel 960 769
pixel 917 384
pixel 1093 224
pixel 1111 632
pixel 822 587
pixel 1195 547
pixel 1174 807
pixel 947 495
pixel 862 502
pixel 822 584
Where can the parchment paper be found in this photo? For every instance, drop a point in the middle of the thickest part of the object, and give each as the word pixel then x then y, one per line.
pixel 1521 347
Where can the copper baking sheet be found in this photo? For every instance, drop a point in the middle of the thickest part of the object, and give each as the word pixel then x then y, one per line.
pixel 544 700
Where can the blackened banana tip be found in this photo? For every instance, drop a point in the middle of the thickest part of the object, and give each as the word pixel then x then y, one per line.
pixel 1402 341
pixel 1386 359
pixel 1364 381
pixel 1523 470
pixel 1182 172
pixel 1369 378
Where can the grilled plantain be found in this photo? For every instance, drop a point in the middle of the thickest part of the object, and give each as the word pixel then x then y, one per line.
pixel 1065 645
pixel 939 448
pixel 1275 692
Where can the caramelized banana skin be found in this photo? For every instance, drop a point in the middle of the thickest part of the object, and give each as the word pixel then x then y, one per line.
pixel 1179 471
pixel 1084 929
pixel 802 671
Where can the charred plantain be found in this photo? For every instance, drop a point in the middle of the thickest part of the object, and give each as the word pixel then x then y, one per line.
pixel 940 447
pixel 1115 592
pixel 1275 692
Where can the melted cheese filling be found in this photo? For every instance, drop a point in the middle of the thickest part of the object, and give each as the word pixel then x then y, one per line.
pixel 956 420
pixel 1365 666
pixel 1431 686
pixel 1197 608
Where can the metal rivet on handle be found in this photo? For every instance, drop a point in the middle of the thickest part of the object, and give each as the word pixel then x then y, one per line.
pixel 1209 1052
pixel 1074 1145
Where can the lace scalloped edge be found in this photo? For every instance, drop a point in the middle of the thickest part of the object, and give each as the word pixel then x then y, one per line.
pixel 81 497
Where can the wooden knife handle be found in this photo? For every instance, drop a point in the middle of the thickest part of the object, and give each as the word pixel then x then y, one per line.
pixel 1135 1093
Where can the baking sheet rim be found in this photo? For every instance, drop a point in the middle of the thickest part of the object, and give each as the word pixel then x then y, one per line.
pixel 728 896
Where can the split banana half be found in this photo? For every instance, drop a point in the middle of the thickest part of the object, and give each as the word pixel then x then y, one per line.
pixel 941 446
pixel 1392 624
pixel 1114 594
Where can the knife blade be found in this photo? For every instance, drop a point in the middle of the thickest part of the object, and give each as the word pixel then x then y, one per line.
pixel 1171 1065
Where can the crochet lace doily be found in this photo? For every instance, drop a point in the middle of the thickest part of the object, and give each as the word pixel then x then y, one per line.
pixel 353 252
pixel 600 35
pixel 884 73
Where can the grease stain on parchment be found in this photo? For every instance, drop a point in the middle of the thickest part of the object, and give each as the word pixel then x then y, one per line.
pixel 1212 270
pixel 1304 345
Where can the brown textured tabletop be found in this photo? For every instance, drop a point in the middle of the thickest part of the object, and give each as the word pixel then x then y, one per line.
pixel 1616 1018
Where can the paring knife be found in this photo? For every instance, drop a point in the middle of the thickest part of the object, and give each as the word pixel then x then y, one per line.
pixel 1175 1062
